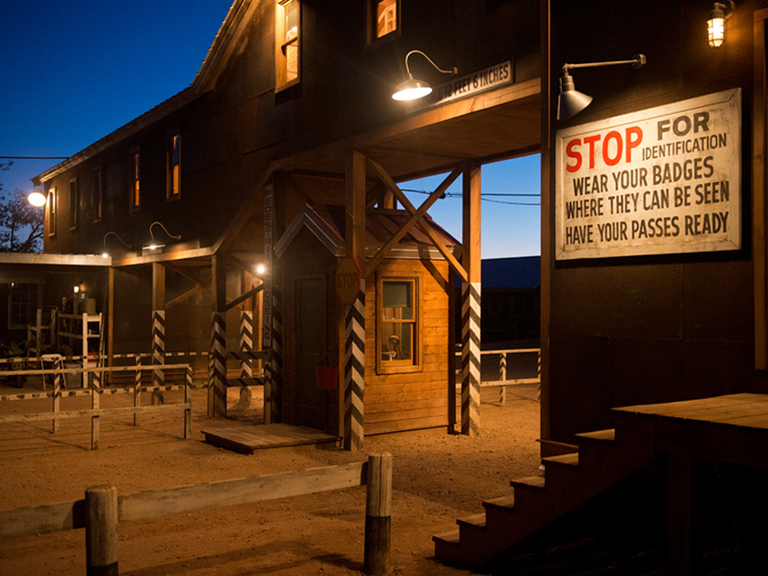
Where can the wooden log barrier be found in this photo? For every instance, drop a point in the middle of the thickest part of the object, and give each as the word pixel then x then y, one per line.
pixel 378 515
pixel 101 519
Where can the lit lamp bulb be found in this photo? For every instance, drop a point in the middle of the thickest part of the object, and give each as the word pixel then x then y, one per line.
pixel 716 22
pixel 36 198
pixel 716 26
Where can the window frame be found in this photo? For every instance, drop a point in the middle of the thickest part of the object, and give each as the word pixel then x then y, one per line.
pixel 32 304
pixel 415 364
pixel 134 190
pixel 52 211
pixel 74 203
pixel 97 193
pixel 173 177
pixel 282 82
pixel 372 17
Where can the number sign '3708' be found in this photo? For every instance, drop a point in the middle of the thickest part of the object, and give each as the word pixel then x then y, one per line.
pixel 347 280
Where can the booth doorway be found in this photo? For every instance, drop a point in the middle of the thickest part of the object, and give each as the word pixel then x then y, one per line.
pixel 309 294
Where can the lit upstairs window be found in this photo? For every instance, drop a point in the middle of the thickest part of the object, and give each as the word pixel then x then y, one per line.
pixel 173 172
pixel 135 181
pixel 386 17
pixel 287 34
pixel 52 211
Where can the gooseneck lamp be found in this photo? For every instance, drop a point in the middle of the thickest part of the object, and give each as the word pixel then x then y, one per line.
pixel 413 89
pixel 571 101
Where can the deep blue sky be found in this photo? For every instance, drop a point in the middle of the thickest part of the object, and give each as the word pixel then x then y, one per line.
pixel 72 72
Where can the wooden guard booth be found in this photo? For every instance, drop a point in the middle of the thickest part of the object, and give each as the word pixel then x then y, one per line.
pixel 408 340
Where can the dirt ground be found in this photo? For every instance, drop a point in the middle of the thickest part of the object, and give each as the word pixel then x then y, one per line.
pixel 437 479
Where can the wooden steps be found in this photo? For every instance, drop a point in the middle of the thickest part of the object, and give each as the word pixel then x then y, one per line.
pixel 569 480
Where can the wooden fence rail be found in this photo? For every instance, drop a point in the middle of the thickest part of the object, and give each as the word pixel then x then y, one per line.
pixel 102 508
pixel 95 391
pixel 503 381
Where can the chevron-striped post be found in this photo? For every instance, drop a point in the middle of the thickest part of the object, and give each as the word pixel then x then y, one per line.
pixel 137 388
pixel 158 353
pixel 274 407
pixel 502 377
pixel 217 381
pixel 58 380
pixel 470 358
pixel 354 373
pixel 246 345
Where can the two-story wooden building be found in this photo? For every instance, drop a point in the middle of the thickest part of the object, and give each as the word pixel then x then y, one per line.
pixel 290 116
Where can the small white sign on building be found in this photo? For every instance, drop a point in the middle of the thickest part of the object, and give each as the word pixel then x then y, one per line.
pixel 661 181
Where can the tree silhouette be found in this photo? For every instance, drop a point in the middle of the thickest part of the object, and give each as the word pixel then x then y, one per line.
pixel 21 224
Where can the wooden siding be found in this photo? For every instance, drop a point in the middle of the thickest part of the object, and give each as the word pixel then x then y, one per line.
pixel 416 399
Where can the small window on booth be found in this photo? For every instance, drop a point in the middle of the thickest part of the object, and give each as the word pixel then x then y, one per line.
pixel 173 176
pixel 398 325
pixel 287 37
pixel 383 18
pixel 52 212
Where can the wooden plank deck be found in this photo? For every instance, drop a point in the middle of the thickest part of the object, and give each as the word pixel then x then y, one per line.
pixel 248 438
pixel 732 428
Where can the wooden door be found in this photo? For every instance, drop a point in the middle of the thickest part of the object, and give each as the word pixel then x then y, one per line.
pixel 309 298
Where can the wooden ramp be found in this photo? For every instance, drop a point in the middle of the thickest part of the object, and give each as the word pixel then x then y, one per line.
pixel 248 438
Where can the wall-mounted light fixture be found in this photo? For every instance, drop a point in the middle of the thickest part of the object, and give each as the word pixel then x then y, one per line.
pixel 571 101
pixel 413 89
pixel 105 251
pixel 36 198
pixel 259 269
pixel 716 22
pixel 155 244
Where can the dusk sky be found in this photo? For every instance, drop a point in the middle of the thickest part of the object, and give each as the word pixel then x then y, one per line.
pixel 72 72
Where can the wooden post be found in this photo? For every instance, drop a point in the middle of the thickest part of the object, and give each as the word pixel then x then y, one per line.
pixel 218 378
pixel 110 319
pixel 354 345
pixel 137 389
pixel 187 411
pixel 158 329
pixel 378 515
pixel 95 404
pixel 502 377
pixel 470 305
pixel 681 530
pixel 101 520
pixel 57 378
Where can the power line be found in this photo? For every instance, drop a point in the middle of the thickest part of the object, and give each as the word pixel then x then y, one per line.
pixel 33 157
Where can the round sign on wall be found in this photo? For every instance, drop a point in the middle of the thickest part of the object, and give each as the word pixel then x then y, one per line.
pixel 347 280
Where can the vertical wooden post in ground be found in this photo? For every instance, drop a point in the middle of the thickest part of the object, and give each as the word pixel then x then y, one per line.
pixel 218 377
pixel 470 304
pixel 57 379
pixel 95 405
pixel 502 377
pixel 136 388
pixel 378 515
pixel 101 520
pixel 246 345
pixel 158 328
pixel 354 341
pixel 187 411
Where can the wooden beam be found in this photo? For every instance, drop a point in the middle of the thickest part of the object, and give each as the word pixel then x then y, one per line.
pixel 219 282
pixel 245 296
pixel 355 211
pixel 181 298
pixel 471 224
pixel 158 286
pixel 760 193
pixel 416 219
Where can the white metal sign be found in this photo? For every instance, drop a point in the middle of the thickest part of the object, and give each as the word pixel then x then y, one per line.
pixel 469 85
pixel 661 181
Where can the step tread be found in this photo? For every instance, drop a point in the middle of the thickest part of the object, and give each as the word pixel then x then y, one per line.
pixel 476 521
pixel 535 483
pixel 451 538
pixel 503 502
pixel 566 460
pixel 603 437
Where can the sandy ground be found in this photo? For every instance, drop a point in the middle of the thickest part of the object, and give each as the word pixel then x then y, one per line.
pixel 437 478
